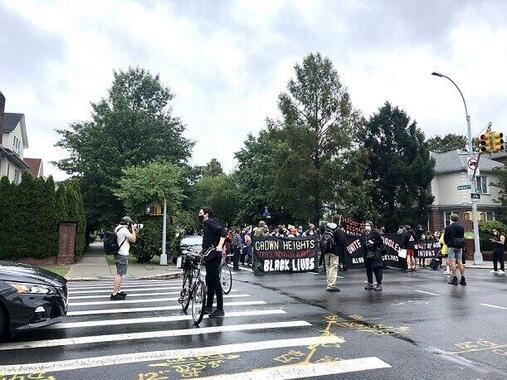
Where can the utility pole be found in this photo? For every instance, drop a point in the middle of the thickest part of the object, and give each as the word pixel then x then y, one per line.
pixel 163 256
pixel 477 245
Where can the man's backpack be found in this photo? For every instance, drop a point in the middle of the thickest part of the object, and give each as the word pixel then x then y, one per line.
pixel 327 244
pixel 111 246
pixel 459 243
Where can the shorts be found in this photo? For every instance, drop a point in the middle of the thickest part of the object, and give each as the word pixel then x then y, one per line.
pixel 410 252
pixel 121 264
pixel 455 254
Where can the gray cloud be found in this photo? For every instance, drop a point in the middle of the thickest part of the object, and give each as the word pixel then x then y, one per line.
pixel 25 51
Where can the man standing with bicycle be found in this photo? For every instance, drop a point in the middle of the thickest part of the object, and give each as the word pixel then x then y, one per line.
pixel 214 235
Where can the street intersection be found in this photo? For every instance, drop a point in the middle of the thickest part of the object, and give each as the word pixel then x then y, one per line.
pixel 279 326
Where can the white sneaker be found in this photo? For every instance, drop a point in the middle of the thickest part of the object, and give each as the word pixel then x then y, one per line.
pixel 446 272
pixel 493 271
pixel 500 272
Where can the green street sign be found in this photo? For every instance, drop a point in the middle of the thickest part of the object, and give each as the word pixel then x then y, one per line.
pixel 464 187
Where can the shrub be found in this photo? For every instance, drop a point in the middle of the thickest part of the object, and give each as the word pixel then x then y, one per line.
pixel 489 225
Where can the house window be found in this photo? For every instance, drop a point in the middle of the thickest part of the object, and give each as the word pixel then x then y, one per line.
pixel 481 185
pixel 16 176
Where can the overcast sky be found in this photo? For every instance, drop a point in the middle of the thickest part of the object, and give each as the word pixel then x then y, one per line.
pixel 227 61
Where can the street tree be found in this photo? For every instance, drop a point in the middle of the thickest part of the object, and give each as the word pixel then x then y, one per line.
pixel 132 125
pixel 153 183
pixel 399 163
pixel 212 169
pixel 451 141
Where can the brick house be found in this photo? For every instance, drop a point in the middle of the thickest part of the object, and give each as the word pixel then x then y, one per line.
pixel 450 173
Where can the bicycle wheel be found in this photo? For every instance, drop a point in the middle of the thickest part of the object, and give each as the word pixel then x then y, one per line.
pixel 198 301
pixel 185 291
pixel 226 278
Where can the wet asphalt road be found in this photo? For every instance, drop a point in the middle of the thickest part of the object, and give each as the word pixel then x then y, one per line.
pixel 284 324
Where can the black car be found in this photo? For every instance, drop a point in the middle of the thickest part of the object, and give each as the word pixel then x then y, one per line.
pixel 30 297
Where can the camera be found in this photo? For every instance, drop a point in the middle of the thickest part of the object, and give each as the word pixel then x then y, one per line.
pixel 139 226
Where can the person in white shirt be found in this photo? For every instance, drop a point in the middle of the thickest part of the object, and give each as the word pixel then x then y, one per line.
pixel 126 234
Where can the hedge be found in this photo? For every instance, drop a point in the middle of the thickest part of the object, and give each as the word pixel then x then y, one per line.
pixel 29 217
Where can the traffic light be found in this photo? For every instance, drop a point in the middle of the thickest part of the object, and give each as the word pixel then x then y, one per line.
pixel 484 142
pixel 497 144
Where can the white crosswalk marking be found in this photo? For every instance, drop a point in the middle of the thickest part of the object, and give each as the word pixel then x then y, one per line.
pixel 173 318
pixel 108 290
pixel 126 286
pixel 154 308
pixel 106 296
pixel 145 300
pixel 150 335
pixel 138 357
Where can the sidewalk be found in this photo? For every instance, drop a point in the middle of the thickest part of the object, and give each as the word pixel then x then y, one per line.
pixel 93 266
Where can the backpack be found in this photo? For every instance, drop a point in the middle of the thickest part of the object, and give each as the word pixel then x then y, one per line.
pixel 459 243
pixel 111 246
pixel 327 244
pixel 236 241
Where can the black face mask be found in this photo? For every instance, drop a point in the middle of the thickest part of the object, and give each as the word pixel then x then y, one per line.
pixel 201 217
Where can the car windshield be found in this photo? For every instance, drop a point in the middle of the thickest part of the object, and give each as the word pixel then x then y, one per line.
pixel 192 240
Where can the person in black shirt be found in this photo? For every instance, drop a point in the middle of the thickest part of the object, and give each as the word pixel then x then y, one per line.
pixel 214 235
pixel 454 239
pixel 371 243
pixel 340 243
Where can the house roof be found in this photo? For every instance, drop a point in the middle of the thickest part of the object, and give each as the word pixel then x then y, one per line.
pixel 35 165
pixel 456 161
pixel 11 120
pixel 13 157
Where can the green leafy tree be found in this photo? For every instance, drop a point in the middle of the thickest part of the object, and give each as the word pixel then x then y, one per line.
pixel 221 193
pixel 451 141
pixel 399 163
pixel 145 185
pixel 61 204
pixel 317 120
pixel 212 168
pixel 7 217
pixel 132 126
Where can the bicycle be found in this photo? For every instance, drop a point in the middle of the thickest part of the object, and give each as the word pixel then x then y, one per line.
pixel 225 276
pixel 193 289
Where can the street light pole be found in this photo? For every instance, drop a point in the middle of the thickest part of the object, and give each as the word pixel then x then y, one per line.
pixel 477 245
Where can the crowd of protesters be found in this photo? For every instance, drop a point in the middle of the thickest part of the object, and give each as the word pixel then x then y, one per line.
pixel 332 239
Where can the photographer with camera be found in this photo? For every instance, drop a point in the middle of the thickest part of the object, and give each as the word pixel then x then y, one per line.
pixel 126 234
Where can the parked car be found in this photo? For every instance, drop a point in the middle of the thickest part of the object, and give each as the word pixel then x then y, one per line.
pixel 30 297
pixel 190 242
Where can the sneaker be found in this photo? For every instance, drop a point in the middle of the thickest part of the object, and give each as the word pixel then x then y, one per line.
pixel 123 293
pixel 446 272
pixel 378 288
pixel 217 314
pixel 462 281
pixel 493 271
pixel 500 272
pixel 454 281
pixel 207 310
pixel 369 287
pixel 333 290
pixel 117 297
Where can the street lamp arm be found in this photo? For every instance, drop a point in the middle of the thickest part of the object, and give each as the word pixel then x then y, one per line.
pixel 455 85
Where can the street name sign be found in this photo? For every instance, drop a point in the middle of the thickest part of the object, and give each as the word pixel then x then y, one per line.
pixel 464 187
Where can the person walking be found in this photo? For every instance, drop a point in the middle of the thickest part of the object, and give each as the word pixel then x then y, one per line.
pixel 371 243
pixel 236 248
pixel 126 234
pixel 498 249
pixel 340 243
pixel 409 242
pixel 454 239
pixel 328 249
pixel 214 235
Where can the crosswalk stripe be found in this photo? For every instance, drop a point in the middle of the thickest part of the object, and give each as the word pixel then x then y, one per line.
pixel 171 318
pixel 99 296
pixel 298 371
pixel 108 290
pixel 126 286
pixel 146 300
pixel 140 357
pixel 149 335
pixel 109 282
pixel 107 295
pixel 154 308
